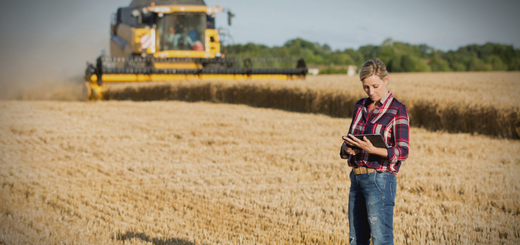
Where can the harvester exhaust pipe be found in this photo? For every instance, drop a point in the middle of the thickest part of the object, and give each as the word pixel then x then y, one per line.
pixel 229 16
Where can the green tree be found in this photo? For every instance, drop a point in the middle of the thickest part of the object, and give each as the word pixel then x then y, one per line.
pixel 496 63
pixel 438 64
pixel 399 56
pixel 401 63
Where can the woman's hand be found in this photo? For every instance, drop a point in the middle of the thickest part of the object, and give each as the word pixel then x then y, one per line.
pixel 349 150
pixel 365 145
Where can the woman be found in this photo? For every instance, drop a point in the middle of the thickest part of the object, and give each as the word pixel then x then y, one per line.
pixel 373 175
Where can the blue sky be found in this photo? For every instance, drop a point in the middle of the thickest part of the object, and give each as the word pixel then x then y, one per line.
pixel 55 38
pixel 442 24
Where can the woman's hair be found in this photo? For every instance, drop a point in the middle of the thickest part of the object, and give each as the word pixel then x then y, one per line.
pixel 373 67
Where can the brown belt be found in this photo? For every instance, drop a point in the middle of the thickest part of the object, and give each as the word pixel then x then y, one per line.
pixel 362 170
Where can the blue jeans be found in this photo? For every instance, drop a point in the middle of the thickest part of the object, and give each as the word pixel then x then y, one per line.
pixel 371 208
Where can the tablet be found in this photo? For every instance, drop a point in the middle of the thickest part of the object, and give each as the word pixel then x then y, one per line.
pixel 375 139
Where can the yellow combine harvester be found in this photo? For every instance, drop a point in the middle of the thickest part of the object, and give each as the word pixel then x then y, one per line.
pixel 173 40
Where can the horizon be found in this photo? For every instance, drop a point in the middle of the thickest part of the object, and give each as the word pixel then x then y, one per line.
pixel 393 40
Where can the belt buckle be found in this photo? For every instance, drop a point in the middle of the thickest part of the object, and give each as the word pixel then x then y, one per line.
pixel 360 170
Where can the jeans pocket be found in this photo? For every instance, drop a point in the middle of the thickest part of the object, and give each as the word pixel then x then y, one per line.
pixel 390 191
pixel 380 181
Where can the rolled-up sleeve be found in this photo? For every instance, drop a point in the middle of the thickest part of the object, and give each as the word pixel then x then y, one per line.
pixel 343 154
pixel 401 131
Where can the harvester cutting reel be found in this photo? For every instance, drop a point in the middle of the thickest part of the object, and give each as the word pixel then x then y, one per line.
pixel 110 69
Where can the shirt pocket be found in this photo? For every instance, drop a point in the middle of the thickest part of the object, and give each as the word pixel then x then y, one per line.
pixel 358 128
pixel 379 129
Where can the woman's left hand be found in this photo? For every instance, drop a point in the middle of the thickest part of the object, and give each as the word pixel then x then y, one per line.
pixel 364 144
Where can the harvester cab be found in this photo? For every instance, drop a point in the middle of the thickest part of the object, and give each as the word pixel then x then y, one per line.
pixel 175 40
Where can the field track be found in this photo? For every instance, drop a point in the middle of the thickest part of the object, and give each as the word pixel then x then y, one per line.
pixel 175 172
pixel 478 102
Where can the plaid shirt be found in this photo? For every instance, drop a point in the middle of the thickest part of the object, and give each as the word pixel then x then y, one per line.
pixel 388 119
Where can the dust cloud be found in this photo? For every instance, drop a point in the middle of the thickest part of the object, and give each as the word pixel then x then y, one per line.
pixel 46 90
pixel 45 46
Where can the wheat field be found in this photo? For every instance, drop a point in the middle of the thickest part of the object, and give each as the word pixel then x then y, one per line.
pixel 498 89
pixel 172 172
pixel 478 102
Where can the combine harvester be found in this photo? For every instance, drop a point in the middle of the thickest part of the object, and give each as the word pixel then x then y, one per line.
pixel 176 40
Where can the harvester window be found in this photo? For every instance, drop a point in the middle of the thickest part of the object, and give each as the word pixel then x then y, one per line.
pixel 182 31
pixel 210 22
pixel 148 19
pixel 118 16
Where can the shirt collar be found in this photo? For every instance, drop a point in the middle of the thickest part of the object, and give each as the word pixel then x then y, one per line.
pixel 385 99
pixel 368 101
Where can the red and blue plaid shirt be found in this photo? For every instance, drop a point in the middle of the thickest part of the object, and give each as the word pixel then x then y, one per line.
pixel 388 119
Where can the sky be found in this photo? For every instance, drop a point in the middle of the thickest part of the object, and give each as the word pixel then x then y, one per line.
pixel 53 39
pixel 442 24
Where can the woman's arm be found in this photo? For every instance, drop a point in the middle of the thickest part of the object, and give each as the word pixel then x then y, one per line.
pixel 401 133
pixel 382 152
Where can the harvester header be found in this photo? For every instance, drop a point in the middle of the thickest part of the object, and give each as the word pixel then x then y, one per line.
pixel 172 40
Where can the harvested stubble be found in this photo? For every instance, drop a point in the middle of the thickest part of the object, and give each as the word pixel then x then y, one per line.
pixel 482 103
pixel 205 173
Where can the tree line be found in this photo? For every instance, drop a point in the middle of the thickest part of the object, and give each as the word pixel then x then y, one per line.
pixel 398 56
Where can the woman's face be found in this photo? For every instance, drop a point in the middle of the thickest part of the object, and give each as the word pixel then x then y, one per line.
pixel 375 87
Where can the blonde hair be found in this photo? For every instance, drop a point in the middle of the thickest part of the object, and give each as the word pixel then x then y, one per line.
pixel 373 67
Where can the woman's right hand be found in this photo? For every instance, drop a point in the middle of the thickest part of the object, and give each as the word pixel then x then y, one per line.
pixel 349 150
pixel 352 152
